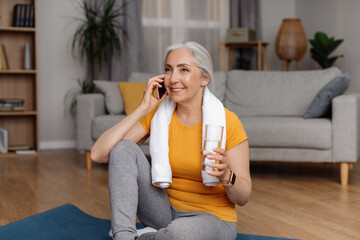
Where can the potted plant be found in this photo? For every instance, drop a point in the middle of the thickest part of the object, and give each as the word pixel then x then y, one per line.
pixel 100 35
pixel 98 38
pixel 322 47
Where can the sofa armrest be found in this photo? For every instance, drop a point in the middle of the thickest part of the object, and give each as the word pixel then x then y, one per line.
pixel 346 127
pixel 88 106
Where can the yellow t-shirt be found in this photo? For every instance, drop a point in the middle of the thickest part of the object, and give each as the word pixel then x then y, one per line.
pixel 187 192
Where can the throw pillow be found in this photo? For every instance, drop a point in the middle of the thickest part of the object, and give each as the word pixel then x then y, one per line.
pixel 113 100
pixel 321 105
pixel 132 93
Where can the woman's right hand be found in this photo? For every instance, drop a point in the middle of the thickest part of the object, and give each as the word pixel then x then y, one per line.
pixel 149 102
pixel 129 127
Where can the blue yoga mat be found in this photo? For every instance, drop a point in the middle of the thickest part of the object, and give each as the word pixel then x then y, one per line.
pixel 67 222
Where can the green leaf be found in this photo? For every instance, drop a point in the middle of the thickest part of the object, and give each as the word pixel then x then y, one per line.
pixel 322 47
pixel 331 61
pixel 320 61
pixel 334 45
pixel 322 39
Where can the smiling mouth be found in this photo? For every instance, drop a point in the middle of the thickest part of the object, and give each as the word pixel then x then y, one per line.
pixel 176 89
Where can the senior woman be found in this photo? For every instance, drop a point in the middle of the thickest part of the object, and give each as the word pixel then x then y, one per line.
pixel 187 209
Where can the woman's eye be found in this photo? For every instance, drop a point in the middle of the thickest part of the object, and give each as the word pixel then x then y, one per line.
pixel 167 69
pixel 184 70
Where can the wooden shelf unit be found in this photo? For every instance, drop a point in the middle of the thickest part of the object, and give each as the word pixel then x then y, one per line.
pixel 16 82
pixel 17 29
pixel 24 113
pixel 18 71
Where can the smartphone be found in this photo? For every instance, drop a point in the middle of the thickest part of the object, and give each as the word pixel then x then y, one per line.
pixel 161 91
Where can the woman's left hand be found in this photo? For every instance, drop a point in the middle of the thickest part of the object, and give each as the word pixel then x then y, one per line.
pixel 221 165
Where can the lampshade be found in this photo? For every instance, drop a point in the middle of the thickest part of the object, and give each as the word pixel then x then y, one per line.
pixel 291 42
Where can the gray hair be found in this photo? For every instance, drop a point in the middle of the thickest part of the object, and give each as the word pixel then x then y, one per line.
pixel 202 58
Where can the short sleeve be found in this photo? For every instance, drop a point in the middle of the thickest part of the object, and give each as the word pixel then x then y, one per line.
pixel 146 120
pixel 235 132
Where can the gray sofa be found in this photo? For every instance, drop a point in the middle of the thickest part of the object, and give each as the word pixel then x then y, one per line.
pixel 271 106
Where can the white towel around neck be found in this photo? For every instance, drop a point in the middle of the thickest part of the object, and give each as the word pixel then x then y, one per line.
pixel 213 113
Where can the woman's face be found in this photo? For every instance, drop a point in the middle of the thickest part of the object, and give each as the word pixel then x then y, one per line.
pixel 183 80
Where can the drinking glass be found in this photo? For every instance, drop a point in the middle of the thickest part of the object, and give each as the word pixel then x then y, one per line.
pixel 213 138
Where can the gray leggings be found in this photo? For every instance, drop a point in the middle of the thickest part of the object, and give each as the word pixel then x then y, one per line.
pixel 131 194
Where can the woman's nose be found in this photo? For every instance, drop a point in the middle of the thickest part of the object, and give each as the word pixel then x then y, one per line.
pixel 173 77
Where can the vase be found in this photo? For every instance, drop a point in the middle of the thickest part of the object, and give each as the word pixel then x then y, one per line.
pixel 291 42
pixel 27 59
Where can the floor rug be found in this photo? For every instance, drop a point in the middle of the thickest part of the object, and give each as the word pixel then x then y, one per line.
pixel 67 222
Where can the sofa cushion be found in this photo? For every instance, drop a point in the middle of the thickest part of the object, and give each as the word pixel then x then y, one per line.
pixel 321 105
pixel 288 132
pixel 132 93
pixel 103 122
pixel 113 99
pixel 273 93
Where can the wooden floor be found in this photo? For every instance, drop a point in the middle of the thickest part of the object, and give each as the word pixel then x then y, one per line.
pixel 302 201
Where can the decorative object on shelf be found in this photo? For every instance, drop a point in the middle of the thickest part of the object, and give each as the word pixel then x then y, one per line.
pixel 3 140
pixel 322 47
pixel 291 42
pixel 100 35
pixel 235 35
pixel 23 15
pixel 27 58
pixel 4 63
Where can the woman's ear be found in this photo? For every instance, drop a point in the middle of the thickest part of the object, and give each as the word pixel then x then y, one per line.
pixel 205 80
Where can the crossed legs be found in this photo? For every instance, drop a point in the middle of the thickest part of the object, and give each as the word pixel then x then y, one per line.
pixel 131 193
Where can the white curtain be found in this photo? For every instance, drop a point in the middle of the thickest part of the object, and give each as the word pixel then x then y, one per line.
pixel 168 21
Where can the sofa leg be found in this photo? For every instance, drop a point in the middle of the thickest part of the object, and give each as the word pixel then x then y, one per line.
pixel 88 160
pixel 344 173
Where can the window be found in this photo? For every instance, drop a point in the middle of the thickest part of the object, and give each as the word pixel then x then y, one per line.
pixel 169 21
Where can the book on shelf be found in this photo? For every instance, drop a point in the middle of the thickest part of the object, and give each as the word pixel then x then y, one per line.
pixel 11 105
pixel 4 64
pixel 12 101
pixel 12 109
pixel 23 15
pixel 16 15
pixel 32 21
pixel 18 147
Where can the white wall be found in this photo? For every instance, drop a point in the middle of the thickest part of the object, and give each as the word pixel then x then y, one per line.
pixel 338 18
pixel 57 69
